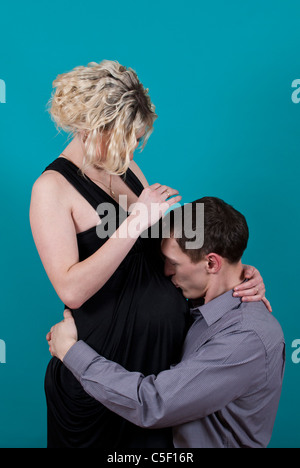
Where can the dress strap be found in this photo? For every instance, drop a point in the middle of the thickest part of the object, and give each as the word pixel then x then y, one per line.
pixel 133 182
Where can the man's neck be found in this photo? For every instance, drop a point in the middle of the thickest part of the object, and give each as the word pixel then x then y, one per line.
pixel 228 278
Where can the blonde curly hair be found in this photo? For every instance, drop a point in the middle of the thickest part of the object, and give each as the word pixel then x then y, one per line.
pixel 98 99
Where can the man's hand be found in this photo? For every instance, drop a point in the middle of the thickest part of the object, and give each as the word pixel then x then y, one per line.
pixel 62 336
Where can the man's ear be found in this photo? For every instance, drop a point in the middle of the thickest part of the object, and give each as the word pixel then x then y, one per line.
pixel 214 263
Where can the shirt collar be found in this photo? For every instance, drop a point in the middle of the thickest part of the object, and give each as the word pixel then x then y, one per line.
pixel 216 308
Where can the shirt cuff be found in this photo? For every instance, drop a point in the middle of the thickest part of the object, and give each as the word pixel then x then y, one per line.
pixel 79 358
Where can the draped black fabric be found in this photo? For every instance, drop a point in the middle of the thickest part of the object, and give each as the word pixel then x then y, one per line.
pixel 138 319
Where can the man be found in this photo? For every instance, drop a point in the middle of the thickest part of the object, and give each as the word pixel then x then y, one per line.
pixel 226 389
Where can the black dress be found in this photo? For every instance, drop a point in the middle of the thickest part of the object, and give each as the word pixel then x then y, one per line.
pixel 138 319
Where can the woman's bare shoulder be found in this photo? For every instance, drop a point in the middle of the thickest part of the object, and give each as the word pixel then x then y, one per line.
pixel 49 189
pixel 48 181
pixel 138 172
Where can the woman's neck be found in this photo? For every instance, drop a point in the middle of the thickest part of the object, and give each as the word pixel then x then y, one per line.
pixel 74 151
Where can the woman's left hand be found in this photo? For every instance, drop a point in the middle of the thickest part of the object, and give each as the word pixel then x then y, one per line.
pixel 254 289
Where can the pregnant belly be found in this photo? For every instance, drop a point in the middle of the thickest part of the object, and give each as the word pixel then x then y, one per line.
pixel 138 320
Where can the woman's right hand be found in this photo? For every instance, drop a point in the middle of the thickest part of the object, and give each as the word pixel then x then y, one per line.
pixel 152 204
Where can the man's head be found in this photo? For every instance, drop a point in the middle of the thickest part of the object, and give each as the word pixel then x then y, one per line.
pixel 217 263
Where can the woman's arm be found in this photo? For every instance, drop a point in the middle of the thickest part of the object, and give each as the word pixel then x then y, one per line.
pixel 55 238
pixel 254 289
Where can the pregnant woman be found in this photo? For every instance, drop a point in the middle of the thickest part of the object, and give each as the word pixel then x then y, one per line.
pixel 123 305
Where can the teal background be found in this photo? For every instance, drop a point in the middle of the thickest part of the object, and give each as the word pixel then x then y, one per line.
pixel 220 75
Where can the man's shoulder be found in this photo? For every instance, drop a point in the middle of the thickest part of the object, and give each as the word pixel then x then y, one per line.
pixel 257 319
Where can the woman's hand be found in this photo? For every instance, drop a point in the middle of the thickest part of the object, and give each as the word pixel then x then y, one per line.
pixel 254 289
pixel 152 204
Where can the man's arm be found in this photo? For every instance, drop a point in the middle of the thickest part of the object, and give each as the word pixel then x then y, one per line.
pixel 220 372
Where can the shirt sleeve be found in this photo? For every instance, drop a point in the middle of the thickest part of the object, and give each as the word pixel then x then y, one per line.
pixel 219 372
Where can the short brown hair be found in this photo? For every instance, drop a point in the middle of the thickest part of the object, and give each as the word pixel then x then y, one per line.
pixel 226 231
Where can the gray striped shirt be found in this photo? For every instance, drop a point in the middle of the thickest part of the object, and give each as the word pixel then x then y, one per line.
pixel 224 392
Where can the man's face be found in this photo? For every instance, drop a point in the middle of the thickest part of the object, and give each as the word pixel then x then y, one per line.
pixel 191 278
